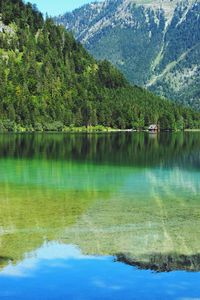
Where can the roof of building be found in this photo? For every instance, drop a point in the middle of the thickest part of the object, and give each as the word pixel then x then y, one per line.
pixel 153 126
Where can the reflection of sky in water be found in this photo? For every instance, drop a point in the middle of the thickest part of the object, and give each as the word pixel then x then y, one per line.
pixel 58 271
pixel 141 207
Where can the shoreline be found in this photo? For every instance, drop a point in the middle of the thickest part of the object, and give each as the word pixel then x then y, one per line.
pixel 93 130
pixel 192 130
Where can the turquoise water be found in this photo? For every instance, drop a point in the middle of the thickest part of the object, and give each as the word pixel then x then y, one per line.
pixel 108 216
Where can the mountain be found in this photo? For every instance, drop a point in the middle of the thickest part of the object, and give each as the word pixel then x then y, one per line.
pixel 50 82
pixel 155 43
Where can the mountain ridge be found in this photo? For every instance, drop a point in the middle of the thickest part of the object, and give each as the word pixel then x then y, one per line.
pixel 125 32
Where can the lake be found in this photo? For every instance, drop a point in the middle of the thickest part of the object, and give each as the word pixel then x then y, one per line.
pixel 100 216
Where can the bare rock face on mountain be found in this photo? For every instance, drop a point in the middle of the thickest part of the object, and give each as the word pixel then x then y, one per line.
pixel 155 43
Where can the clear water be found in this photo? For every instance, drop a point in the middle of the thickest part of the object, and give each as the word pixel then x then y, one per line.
pixel 108 216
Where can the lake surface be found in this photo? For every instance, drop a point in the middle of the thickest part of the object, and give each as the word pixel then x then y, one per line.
pixel 100 216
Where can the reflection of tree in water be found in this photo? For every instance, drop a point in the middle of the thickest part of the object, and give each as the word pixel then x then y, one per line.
pixel 117 148
pixel 163 262
pixel 5 260
pixel 32 212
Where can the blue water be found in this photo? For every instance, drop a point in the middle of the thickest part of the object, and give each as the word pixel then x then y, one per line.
pixel 109 216
pixel 58 271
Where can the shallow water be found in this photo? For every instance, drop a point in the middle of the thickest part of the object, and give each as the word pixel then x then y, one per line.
pixel 108 216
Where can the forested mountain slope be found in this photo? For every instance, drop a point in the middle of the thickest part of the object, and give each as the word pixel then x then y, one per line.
pixel 49 81
pixel 155 43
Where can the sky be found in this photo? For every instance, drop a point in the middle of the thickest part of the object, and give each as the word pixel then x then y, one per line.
pixel 54 8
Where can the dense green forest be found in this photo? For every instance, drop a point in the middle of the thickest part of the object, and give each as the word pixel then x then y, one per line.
pixel 50 82
pixel 153 47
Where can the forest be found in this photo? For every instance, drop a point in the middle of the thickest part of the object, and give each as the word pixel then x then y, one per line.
pixel 134 40
pixel 49 82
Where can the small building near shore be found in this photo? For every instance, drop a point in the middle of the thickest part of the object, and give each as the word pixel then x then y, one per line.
pixel 153 128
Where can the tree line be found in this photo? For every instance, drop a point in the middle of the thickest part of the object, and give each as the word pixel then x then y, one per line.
pixel 50 82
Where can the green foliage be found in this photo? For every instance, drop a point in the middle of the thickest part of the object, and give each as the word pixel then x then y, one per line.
pixel 50 83
pixel 148 49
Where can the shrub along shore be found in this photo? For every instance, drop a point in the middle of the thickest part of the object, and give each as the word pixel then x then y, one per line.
pixel 59 127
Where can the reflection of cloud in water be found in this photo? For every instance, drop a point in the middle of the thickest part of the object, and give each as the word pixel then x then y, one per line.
pixel 189 298
pixel 105 209
pixel 104 285
pixel 55 254
pixel 23 269
pixel 58 271
pixel 55 250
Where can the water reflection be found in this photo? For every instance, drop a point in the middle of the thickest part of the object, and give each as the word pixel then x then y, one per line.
pixel 138 149
pixel 163 262
pixel 49 252
pixel 31 215
pixel 124 195
pixel 59 271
